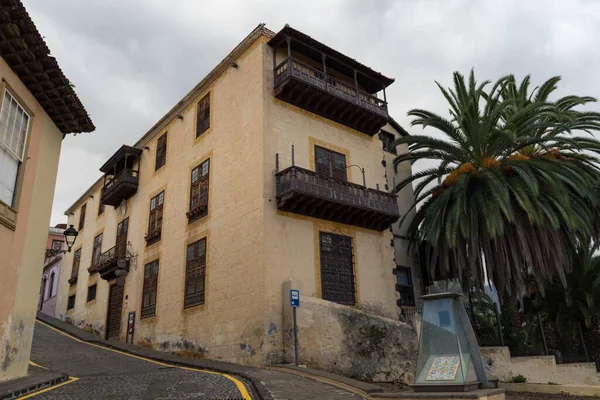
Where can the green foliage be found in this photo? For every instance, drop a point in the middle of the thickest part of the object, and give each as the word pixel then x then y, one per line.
pixel 515 188
pixel 518 379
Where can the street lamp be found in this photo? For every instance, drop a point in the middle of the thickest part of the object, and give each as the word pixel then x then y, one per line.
pixel 70 237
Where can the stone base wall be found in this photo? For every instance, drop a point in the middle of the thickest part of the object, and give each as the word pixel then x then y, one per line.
pixel 540 369
pixel 349 341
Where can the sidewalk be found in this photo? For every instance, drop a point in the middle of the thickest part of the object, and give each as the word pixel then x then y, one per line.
pixel 266 384
pixel 36 379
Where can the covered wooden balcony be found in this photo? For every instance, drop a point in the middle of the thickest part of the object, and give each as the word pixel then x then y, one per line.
pixel 120 177
pixel 317 78
pixel 305 192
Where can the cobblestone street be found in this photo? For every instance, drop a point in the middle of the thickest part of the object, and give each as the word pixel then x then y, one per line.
pixel 106 374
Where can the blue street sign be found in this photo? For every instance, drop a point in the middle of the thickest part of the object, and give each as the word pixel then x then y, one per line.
pixel 294 298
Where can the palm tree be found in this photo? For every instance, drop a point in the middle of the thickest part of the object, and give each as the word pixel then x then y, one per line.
pixel 515 186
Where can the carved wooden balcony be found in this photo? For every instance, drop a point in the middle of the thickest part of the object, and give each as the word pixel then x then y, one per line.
pixel 112 260
pixel 322 94
pixel 120 187
pixel 305 192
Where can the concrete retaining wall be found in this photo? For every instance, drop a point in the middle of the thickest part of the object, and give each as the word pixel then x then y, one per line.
pixel 538 369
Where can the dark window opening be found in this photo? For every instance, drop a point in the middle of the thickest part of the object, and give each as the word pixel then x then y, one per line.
pixel 161 152
pixel 91 295
pixel 203 116
pixel 337 269
pixel 150 289
pixel 388 142
pixel 199 191
pixel 57 244
pixel 155 218
pixel 82 217
pixel 195 274
pixel 100 207
pixel 404 286
pixel 71 302
pixel 75 268
pixel 330 163
pixel 96 251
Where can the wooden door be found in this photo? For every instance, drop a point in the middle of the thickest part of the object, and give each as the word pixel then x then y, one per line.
pixel 115 307
pixel 121 245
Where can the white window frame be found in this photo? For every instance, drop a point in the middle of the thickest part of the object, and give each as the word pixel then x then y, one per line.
pixel 14 98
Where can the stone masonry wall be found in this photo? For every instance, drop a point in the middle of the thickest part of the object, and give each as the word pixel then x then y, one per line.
pixel 348 341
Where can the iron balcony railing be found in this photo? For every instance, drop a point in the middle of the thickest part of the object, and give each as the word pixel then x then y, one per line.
pixel 312 76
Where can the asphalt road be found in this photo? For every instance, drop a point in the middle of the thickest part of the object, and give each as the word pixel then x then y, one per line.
pixel 107 374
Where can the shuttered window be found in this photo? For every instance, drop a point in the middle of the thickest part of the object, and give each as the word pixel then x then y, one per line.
pixel 82 217
pixel 337 268
pixel 155 219
pixel 75 268
pixel 71 302
pixel 91 294
pixel 388 142
pixel 161 152
pixel 329 163
pixel 199 191
pixel 195 274
pixel 14 124
pixel 203 117
pixel 96 252
pixel 150 289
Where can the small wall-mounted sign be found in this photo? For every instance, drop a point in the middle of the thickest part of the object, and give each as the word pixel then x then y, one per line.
pixel 294 298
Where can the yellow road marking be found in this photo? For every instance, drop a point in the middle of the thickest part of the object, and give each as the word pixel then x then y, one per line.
pixel 241 387
pixel 36 365
pixel 71 380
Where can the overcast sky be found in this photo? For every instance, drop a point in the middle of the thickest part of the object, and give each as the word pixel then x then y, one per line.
pixel 132 60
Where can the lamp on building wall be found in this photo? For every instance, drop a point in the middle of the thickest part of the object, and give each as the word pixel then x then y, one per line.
pixel 70 237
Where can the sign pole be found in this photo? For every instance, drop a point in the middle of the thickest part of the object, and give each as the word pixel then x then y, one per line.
pixel 295 338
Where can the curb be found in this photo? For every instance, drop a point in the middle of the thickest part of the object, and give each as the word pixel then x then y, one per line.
pixel 30 384
pixel 257 388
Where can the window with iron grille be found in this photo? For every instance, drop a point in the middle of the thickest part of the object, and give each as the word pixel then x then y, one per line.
pixel 57 244
pixel 91 295
pixel 155 218
pixel 82 217
pixel 337 268
pixel 100 207
pixel 96 251
pixel 195 274
pixel 404 286
pixel 150 289
pixel 161 152
pixel 203 117
pixel 330 163
pixel 71 302
pixel 14 126
pixel 199 191
pixel 388 141
pixel 75 269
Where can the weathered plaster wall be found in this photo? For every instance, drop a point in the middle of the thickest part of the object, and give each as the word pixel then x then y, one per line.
pixel 230 324
pixel 23 247
pixel 540 369
pixel 349 341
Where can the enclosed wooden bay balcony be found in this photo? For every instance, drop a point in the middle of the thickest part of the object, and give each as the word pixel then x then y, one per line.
pixel 305 192
pixel 120 177
pixel 313 76
pixel 112 260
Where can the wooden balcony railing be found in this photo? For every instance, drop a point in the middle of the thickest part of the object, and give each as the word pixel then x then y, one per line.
pixel 312 76
pixel 121 186
pixel 305 192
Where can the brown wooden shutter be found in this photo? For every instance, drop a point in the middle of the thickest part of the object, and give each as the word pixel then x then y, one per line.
pixel 161 152
pixel 150 289
pixel 203 116
pixel 75 268
pixel 199 191
pixel 121 243
pixel 195 275
pixel 82 217
pixel 155 219
pixel 96 251
pixel 330 163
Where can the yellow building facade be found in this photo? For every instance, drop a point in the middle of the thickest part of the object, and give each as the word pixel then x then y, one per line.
pixel 38 107
pixel 214 224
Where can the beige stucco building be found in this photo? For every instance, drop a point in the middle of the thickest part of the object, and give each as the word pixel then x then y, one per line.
pixel 38 107
pixel 252 179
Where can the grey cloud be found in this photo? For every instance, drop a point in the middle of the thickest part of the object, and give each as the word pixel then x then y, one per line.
pixel 132 60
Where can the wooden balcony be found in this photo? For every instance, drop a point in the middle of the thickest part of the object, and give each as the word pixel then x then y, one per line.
pixel 120 187
pixel 322 94
pixel 305 192
pixel 110 261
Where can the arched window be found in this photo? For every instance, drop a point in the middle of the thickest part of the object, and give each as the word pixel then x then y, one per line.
pixel 51 285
